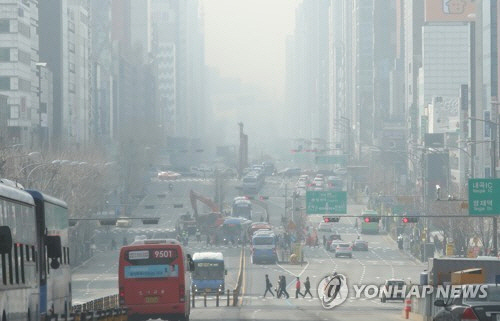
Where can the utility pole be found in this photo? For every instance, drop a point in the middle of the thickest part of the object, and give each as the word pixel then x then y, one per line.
pixel 494 175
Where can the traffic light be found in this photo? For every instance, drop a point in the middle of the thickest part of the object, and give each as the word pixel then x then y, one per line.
pixel 410 219
pixel 263 198
pixel 330 219
pixel 150 221
pixel 371 219
pixel 108 222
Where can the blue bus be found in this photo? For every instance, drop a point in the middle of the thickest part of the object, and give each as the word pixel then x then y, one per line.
pixel 234 230
pixel 53 249
pixel 209 273
pixel 242 207
pixel 264 247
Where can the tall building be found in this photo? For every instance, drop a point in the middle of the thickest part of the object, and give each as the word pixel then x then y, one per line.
pixel 103 75
pixel 65 47
pixel 311 69
pixel 190 115
pixel 164 15
pixel 340 75
pixel 363 73
pixel 413 13
pixel 18 70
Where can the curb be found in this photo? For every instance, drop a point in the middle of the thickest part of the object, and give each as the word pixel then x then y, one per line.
pixel 411 257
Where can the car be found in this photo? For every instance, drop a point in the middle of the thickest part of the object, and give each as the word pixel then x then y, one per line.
pixel 459 308
pixel 123 222
pixel 300 184
pixel 168 175
pixel 360 245
pixel 332 245
pixel 343 249
pixel 394 295
pixel 325 227
pixel 318 181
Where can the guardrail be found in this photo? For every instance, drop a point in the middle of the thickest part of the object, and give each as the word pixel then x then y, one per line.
pixel 237 289
pixel 105 303
pixel 116 314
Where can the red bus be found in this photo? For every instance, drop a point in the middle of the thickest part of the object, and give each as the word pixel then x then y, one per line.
pixel 154 280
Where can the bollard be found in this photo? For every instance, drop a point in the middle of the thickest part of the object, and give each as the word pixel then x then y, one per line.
pixel 194 296
pixel 235 298
pixel 217 299
pixel 407 308
pixel 228 297
pixel 205 299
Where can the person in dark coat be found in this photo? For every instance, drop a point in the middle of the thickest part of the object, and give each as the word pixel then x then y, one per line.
pixel 269 286
pixel 307 286
pixel 283 287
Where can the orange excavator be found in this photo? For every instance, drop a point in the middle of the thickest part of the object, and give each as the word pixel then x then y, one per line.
pixel 206 221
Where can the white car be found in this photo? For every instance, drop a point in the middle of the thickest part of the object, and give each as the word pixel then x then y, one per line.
pixel 325 227
pixel 343 249
pixel 318 182
pixel 123 222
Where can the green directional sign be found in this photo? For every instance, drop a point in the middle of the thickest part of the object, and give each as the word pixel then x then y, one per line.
pixel 331 159
pixel 326 202
pixel 484 196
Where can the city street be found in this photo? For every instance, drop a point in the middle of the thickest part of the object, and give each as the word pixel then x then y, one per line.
pixel 97 277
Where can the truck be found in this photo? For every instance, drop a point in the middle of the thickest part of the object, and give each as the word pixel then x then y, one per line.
pixel 441 269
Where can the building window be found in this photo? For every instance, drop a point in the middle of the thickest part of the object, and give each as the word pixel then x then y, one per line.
pixel 71 46
pixel 24 85
pixel 4 54
pixel 4 83
pixel 4 25
pixel 24 29
pixel 24 57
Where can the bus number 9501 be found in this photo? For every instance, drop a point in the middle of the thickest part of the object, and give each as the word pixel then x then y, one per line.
pixel 164 254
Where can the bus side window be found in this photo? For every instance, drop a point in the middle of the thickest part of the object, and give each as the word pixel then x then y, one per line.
pixel 27 249
pixel 4 270
pixel 16 262
pixel 21 256
pixel 67 249
pixel 11 274
pixel 64 255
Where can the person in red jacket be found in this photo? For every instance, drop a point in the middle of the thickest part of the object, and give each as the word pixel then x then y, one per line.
pixel 297 289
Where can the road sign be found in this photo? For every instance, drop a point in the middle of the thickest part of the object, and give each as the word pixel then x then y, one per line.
pixel 484 196
pixel 326 202
pixel 331 159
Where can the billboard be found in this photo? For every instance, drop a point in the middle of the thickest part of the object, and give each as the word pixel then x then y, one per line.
pixel 450 10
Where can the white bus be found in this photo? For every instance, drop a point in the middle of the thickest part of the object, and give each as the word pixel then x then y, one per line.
pixel 19 291
pixel 55 272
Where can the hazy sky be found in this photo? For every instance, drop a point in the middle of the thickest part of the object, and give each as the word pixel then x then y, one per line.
pixel 246 39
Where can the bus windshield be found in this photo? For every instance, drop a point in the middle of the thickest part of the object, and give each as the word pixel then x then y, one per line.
pixel 263 241
pixel 153 263
pixel 243 211
pixel 208 270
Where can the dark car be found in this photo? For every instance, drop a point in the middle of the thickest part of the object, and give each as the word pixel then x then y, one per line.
pixel 360 245
pixel 333 238
pixel 395 289
pixel 473 308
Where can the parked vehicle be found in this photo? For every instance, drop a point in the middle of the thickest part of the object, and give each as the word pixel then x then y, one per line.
pixel 475 308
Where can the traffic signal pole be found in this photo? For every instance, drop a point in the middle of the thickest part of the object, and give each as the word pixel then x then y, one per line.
pixel 494 175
